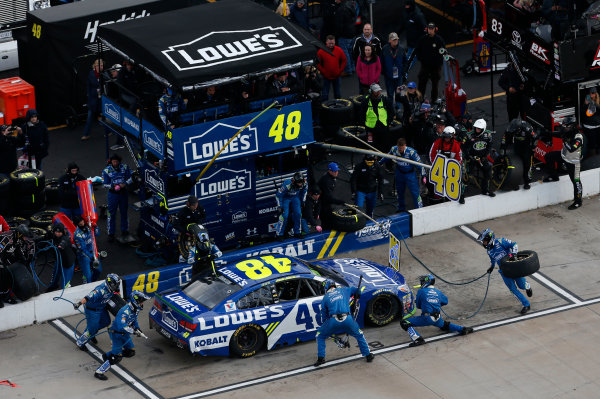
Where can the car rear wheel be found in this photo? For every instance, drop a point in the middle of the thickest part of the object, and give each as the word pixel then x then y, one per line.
pixel 247 340
pixel 382 309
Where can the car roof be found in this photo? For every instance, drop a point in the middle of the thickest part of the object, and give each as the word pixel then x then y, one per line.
pixel 257 270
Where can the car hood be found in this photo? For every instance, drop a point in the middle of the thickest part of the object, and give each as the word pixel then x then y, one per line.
pixel 374 275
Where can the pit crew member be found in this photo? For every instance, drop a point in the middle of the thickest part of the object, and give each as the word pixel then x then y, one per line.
pixel 405 174
pixel 116 178
pixel 477 150
pixel 82 237
pixel 290 197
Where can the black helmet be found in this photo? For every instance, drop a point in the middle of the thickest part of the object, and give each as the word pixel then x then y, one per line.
pixel 137 299
pixel 58 227
pixel 426 280
pixel 514 126
pixel 526 128
pixel 72 165
pixel 116 156
pixel 298 178
pixel 113 281
pixel 569 123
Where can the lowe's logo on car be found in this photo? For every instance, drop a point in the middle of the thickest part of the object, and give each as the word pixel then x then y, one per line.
pixel 182 303
pixel 241 317
pixel 92 27
pixel 201 149
pixel 169 320
pixel 209 341
pixel 152 141
pixel 112 112
pixel 230 46
pixel 154 181
pixel 224 181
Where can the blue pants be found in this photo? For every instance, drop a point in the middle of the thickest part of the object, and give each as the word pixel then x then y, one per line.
pixel 91 117
pixel 119 342
pixel 370 198
pixel 292 203
pixel 346 45
pixel 390 86
pixel 337 93
pixel 117 201
pixel 409 180
pixel 71 212
pixel 514 284
pixel 96 320
pixel 428 320
pixel 333 326
pixel 89 273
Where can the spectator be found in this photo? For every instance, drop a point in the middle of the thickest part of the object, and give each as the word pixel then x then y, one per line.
pixel 10 140
pixel 590 120
pixel 405 174
pixel 366 182
pixel 311 211
pixel 329 195
pixel 111 87
pixel 282 83
pixel 344 18
pixel 64 272
pixel 313 83
pixel 84 240
pixel 557 13
pixel 299 14
pixel 210 95
pixel 415 25
pixel 423 129
pixel 94 95
pixel 411 102
pixel 394 60
pixel 368 69
pixel 331 67
pixel 170 106
pixel 427 52
pixel 116 177
pixel 37 140
pixel 67 191
pixel 129 85
pixel 511 82
pixel 290 197
pixel 4 227
pixel 191 213
pixel 361 41
pixel 378 112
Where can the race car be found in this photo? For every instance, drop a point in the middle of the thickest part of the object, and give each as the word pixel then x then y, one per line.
pixel 271 301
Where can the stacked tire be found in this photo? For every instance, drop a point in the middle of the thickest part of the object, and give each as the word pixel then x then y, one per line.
pixel 335 114
pixel 27 191
pixel 52 195
pixel 4 194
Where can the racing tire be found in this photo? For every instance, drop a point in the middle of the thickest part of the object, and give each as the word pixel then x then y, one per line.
pixel 345 139
pixel 347 219
pixel 382 309
pixel 357 104
pixel 28 181
pixel 507 172
pixel 42 219
pixel 28 204
pixel 38 233
pixel 334 114
pixel 52 194
pixel 15 221
pixel 23 284
pixel 525 263
pixel 247 340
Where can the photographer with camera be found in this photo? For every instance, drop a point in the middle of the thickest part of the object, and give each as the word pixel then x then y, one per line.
pixel 411 101
pixel 11 138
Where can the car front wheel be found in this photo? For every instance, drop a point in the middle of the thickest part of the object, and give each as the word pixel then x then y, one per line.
pixel 382 309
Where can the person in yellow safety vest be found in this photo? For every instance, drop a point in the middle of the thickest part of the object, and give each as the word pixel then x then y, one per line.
pixel 379 112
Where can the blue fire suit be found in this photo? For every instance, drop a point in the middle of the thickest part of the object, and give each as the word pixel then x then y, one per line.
pixel 501 248
pixel 169 107
pixel 430 300
pixel 335 313
pixel 117 198
pixel 406 177
pixel 289 196
pixel 85 253
pixel 96 314
pixel 120 332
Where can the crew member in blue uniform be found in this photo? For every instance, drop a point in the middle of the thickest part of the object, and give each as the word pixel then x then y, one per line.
pixel 430 300
pixel 337 318
pixel 120 332
pixel 498 248
pixel 290 197
pixel 116 178
pixel 96 313
pixel 82 237
pixel 170 106
pixel 405 174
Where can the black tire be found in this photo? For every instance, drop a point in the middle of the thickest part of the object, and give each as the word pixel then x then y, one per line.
pixel 38 233
pixel 524 264
pixel 28 181
pixel 507 172
pixel 28 204
pixel 347 219
pixel 359 119
pixel 382 309
pixel 345 139
pixel 42 219
pixel 247 340
pixel 395 129
pixel 15 221
pixel 52 194
pixel 336 113
pixel 23 284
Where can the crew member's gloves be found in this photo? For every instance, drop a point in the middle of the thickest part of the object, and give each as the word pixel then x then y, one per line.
pixel 117 187
pixel 490 269
pixel 76 305
pixel 424 180
pixel 318 228
pixel 381 196
pixel 511 256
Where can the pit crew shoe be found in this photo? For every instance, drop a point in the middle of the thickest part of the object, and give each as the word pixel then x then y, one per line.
pixel 526 186
pixel 419 341
pixel 82 348
pixel 320 361
pixel 529 292
pixel 549 179
pixel 466 330
pixel 574 205
pixel 100 376
pixel 370 357
pixel 94 340
pixel 525 309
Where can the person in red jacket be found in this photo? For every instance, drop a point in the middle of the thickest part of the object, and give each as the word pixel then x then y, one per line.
pixel 331 67
pixel 368 69
pixel 446 145
pixel 3 225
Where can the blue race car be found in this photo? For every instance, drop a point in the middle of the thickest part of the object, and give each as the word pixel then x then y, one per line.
pixel 271 300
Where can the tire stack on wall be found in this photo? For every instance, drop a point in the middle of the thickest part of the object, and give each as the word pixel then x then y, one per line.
pixel 27 191
pixel 335 114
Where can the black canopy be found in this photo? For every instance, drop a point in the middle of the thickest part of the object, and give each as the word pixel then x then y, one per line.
pixel 211 43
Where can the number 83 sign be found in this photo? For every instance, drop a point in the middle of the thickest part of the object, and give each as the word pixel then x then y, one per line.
pixel 445 175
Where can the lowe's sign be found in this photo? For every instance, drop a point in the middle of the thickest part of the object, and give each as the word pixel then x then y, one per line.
pixel 275 130
pixel 154 139
pixel 224 181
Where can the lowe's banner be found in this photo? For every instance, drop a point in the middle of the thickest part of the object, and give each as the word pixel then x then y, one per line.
pixel 153 139
pixel 196 145
pixel 313 246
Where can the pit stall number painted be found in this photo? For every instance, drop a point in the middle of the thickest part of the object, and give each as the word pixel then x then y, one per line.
pixel 446 175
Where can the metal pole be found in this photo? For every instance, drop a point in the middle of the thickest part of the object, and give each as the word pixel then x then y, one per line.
pixel 376 153
pixel 493 59
pixel 371 15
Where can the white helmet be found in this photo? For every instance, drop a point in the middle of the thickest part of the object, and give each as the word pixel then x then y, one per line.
pixel 480 124
pixel 448 132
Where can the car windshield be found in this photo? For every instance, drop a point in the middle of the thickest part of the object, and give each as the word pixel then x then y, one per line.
pixel 323 272
pixel 210 291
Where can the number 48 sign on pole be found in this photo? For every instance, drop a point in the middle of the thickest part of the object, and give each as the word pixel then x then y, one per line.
pixel 445 175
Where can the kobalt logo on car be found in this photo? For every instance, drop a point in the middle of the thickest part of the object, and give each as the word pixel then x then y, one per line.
pixel 202 148
pixel 539 52
pixel 224 181
pixel 229 46
pixel 111 111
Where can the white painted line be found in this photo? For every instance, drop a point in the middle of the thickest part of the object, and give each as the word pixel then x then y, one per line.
pixel 302 370
pixel 141 388
pixel 469 232
pixel 550 284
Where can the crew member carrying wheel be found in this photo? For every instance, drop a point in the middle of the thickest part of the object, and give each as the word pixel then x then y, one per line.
pixel 523 136
pixel 498 249
pixel 571 155
pixel 477 150
pixel 430 300
pixel 290 197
